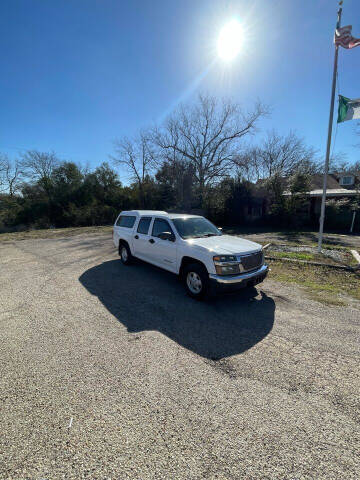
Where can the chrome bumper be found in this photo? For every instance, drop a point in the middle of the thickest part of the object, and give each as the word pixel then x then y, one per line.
pixel 243 277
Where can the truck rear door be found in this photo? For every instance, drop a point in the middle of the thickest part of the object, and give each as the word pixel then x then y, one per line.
pixel 141 237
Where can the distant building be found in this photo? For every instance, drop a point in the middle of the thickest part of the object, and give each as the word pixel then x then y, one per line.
pixel 340 185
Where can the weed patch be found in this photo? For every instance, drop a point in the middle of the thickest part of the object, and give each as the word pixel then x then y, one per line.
pixel 320 283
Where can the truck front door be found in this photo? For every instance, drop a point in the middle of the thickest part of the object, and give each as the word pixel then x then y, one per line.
pixel 163 252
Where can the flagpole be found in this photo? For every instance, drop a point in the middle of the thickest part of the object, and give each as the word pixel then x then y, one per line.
pixel 331 116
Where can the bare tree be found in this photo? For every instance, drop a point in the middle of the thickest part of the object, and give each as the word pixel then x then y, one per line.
pixel 13 177
pixel 10 175
pixel 39 165
pixel 207 134
pixel 138 157
pixel 249 165
pixel 284 155
pixel 3 166
pixel 339 164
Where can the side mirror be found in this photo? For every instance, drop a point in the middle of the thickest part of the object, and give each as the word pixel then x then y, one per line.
pixel 167 236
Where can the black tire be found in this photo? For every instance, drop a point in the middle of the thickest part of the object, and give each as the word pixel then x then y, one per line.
pixel 196 281
pixel 125 254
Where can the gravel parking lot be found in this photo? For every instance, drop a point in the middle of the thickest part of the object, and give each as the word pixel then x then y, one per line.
pixel 111 372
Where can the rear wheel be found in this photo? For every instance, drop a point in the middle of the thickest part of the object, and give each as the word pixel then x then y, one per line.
pixel 125 254
pixel 196 280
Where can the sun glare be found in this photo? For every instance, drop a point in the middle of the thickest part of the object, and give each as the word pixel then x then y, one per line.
pixel 230 40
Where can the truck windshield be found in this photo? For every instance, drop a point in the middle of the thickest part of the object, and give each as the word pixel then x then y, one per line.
pixel 195 227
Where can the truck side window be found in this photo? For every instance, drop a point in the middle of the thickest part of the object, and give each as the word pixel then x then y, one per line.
pixel 126 221
pixel 160 226
pixel 144 225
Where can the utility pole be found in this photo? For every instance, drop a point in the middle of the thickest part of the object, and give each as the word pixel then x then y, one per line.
pixel 328 146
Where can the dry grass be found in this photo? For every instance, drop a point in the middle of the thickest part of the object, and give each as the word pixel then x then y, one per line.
pixel 293 255
pixel 52 233
pixel 347 260
pixel 325 285
pixel 293 238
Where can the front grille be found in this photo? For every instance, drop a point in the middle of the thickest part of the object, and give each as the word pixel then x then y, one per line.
pixel 252 261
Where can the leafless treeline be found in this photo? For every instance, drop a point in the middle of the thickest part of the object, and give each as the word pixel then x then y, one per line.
pixel 202 139
pixel 200 143
pixel 210 140
pixel 30 166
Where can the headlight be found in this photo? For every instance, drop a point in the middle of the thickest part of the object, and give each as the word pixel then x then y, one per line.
pixel 226 265
pixel 225 258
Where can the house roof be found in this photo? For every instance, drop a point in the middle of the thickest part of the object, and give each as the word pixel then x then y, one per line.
pixel 316 182
pixel 333 187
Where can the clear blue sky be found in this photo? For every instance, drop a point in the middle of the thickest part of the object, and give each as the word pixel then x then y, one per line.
pixel 77 74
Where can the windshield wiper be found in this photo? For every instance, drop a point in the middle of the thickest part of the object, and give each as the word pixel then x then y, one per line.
pixel 205 235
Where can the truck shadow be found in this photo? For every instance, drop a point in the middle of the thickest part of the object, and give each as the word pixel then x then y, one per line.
pixel 143 297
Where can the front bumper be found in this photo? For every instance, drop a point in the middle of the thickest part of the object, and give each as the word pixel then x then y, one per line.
pixel 233 282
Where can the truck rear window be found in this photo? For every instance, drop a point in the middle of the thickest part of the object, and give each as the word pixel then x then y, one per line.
pixel 125 221
pixel 144 225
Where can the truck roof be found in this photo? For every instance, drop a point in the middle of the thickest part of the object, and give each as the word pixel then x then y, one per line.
pixel 181 215
pixel 141 213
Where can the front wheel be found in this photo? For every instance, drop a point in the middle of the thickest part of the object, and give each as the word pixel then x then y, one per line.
pixel 125 254
pixel 196 280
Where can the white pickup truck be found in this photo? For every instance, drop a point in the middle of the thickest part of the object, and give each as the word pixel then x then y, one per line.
pixel 192 247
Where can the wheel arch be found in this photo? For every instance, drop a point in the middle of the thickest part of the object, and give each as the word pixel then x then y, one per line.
pixel 123 242
pixel 186 260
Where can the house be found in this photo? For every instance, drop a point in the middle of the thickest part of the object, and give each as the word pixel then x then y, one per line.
pixel 340 185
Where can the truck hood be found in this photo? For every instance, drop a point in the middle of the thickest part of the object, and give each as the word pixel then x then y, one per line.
pixel 225 244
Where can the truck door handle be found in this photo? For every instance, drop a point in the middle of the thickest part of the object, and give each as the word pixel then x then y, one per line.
pixel 137 237
pixel 152 240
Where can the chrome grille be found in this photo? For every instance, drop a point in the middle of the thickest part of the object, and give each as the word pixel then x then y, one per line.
pixel 252 261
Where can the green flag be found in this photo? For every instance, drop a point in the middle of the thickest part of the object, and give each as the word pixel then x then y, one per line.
pixel 348 109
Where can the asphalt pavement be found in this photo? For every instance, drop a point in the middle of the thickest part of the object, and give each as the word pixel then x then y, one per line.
pixel 112 372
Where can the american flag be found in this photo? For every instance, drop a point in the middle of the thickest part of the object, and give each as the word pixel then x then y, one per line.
pixel 344 37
